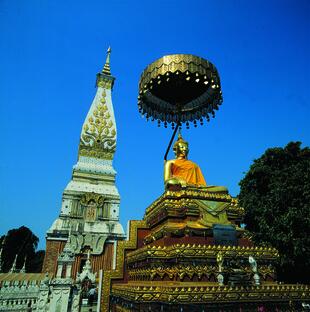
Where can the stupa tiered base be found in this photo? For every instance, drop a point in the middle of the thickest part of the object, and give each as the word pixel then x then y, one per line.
pixel 190 254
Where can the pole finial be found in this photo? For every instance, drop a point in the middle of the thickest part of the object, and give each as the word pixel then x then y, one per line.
pixel 106 69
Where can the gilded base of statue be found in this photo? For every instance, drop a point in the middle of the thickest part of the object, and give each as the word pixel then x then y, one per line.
pixel 176 260
pixel 192 212
pixel 185 272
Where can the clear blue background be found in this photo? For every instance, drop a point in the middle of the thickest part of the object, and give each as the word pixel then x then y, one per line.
pixel 50 52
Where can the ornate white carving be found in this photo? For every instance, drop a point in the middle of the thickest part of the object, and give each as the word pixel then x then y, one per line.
pixel 83 186
pixel 99 128
pixel 94 165
pixel 94 241
pixel 87 272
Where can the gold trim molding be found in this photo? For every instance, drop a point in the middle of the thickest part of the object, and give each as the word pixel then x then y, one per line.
pixel 201 251
pixel 208 293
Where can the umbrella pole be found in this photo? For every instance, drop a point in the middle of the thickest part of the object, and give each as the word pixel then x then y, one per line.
pixel 171 140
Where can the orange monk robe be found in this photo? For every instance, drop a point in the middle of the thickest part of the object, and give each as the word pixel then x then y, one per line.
pixel 187 171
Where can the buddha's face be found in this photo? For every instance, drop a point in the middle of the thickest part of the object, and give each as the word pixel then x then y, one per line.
pixel 181 150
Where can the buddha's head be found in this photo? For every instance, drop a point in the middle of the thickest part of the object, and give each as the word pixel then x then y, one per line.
pixel 180 147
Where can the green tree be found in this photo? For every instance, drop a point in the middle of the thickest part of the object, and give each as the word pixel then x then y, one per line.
pixel 36 263
pixel 23 243
pixel 275 194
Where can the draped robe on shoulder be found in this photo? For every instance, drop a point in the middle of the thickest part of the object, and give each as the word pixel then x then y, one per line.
pixel 187 171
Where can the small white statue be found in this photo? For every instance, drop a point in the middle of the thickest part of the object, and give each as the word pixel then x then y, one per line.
pixel 220 279
pixel 253 265
pixel 256 279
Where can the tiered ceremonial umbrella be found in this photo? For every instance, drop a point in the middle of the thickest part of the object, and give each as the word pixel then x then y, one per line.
pixel 177 89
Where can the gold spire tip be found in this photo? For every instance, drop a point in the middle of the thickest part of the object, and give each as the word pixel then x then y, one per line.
pixel 106 69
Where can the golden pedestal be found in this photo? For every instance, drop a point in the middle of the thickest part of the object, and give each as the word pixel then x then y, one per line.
pixel 172 261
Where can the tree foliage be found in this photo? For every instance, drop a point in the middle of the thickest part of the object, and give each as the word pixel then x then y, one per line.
pixel 23 243
pixel 275 194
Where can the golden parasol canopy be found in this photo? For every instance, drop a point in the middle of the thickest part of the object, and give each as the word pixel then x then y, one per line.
pixel 179 88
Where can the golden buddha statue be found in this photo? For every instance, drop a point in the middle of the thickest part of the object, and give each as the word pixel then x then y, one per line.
pixel 185 173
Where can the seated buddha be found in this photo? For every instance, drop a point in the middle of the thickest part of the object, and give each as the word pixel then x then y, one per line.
pixel 185 173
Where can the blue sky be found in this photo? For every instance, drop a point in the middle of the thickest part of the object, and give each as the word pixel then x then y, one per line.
pixel 50 52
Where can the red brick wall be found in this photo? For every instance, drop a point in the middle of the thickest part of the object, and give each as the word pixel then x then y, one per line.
pixel 53 249
pixel 103 261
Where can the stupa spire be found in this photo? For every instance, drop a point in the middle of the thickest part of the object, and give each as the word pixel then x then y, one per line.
pixel 1 250
pixel 104 78
pixel 98 137
pixel 23 269
pixel 106 69
pixel 90 202
pixel 13 268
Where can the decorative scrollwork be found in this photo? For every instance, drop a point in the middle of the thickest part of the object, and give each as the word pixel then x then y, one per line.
pixel 205 293
pixel 88 197
pixel 172 272
pixel 99 135
pixel 200 251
